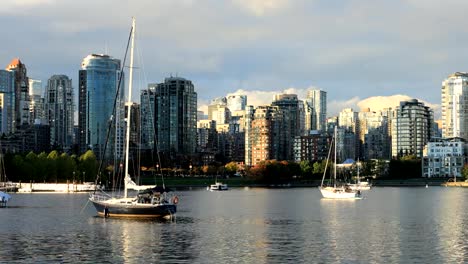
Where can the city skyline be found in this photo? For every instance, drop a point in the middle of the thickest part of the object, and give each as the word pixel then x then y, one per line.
pixel 354 51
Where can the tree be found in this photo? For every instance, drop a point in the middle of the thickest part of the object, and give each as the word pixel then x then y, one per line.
pixel 52 166
pixel 306 168
pixel 88 165
pixel 231 167
pixel 465 171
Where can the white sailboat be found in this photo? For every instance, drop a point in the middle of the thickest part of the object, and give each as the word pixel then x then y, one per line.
pixel 336 191
pixel 151 201
pixel 359 185
pixel 4 184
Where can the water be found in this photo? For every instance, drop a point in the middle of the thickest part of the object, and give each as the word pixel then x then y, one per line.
pixel 390 225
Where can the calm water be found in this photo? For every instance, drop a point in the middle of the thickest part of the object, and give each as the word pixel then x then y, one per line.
pixel 390 225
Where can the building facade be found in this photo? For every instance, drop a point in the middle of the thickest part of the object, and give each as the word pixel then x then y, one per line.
pixel 455 106
pixel 60 111
pixel 21 90
pixel 147 118
pixel 98 85
pixel 315 110
pixel 176 116
pixel 412 129
pixel 444 158
pixel 7 101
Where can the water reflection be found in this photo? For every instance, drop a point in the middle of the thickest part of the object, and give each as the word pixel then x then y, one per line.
pixel 395 225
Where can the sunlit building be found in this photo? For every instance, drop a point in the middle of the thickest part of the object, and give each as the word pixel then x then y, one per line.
pixel 444 158
pixel 455 106
pixel 21 90
pixel 412 129
pixel 97 88
pixel 7 101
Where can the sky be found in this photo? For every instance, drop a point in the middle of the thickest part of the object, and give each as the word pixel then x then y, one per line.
pixel 363 53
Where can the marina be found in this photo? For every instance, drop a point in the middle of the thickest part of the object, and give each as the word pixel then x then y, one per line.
pixel 289 225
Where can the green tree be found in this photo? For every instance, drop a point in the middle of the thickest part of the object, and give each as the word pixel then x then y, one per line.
pixel 42 167
pixel 306 168
pixel 52 166
pixel 87 166
pixel 30 164
pixel 465 171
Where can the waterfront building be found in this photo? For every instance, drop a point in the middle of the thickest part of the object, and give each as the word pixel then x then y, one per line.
pixel 7 101
pixel 60 111
pixel 288 120
pixel 412 128
pixel 455 106
pixel 313 147
pixel 147 117
pixel 176 116
pixel 236 102
pixel 262 128
pixel 315 108
pixel 444 157
pixel 21 90
pixel 97 87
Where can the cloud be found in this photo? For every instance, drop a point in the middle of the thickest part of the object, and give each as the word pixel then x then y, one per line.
pixel 261 7
pixel 374 103
pixel 377 103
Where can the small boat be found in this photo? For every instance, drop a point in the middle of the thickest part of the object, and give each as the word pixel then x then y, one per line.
pixel 4 198
pixel 218 186
pixel 359 185
pixel 336 191
pixel 150 201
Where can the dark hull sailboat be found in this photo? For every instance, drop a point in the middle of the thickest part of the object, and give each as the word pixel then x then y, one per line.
pixel 151 201
pixel 130 209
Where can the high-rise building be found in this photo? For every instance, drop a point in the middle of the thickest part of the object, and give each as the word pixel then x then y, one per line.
pixel 262 128
pixel 315 110
pixel 348 120
pixel 98 85
pixel 218 111
pixel 236 102
pixel 455 106
pixel 147 117
pixel 176 116
pixel 37 111
pixel 60 111
pixel 373 135
pixel 412 130
pixel 288 120
pixel 7 101
pixel 21 108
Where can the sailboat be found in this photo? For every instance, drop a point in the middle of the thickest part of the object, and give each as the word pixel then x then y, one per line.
pixel 335 191
pixel 4 185
pixel 150 201
pixel 359 185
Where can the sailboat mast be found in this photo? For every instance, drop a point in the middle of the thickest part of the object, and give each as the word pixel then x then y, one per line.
pixel 334 174
pixel 129 107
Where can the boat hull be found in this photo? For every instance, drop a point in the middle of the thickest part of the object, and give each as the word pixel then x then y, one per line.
pixel 134 210
pixel 339 193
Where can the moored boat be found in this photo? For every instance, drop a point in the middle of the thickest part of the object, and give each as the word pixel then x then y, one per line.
pixel 336 191
pixel 150 201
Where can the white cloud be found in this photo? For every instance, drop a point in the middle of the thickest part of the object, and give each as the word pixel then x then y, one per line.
pixel 14 5
pixel 261 7
pixel 376 103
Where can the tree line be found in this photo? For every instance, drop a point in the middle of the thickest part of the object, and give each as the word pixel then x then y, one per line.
pixel 52 167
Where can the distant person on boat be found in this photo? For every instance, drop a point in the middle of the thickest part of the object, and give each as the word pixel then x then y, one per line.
pixel 106 212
